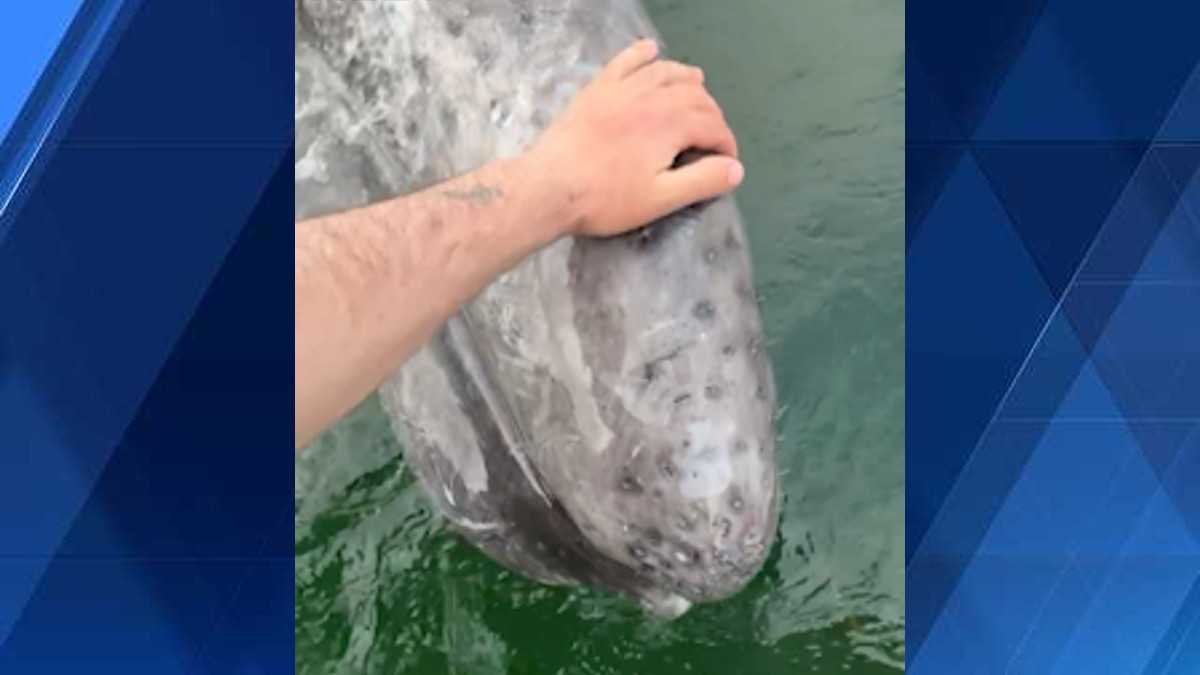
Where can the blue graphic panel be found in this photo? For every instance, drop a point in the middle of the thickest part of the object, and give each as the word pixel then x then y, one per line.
pixel 146 456
pixel 1054 522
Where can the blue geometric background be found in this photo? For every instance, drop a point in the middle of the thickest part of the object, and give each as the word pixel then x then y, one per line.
pixel 1053 337
pixel 146 320
pixel 1053 303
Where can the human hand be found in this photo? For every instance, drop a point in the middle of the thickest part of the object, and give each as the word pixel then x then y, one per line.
pixel 616 145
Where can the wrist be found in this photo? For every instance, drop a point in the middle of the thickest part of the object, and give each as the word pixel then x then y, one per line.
pixel 555 182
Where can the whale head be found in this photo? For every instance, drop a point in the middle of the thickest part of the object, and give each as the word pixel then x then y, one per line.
pixel 603 413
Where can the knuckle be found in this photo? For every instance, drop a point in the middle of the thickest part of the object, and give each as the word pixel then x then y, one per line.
pixel 679 71
pixel 672 70
pixel 710 117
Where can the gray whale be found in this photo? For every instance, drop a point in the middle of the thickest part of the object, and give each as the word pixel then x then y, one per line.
pixel 603 413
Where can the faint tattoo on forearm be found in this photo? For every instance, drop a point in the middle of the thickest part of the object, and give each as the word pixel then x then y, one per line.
pixel 478 195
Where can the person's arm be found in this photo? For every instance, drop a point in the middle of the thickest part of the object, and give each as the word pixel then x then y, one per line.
pixel 375 283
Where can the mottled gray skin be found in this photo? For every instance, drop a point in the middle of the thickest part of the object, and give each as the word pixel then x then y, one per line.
pixel 603 413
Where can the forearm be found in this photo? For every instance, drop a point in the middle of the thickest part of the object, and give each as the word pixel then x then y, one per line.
pixel 374 284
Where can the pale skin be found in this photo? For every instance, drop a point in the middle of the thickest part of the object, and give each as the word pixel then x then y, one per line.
pixel 375 283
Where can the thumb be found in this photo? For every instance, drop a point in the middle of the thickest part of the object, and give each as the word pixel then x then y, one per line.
pixel 703 179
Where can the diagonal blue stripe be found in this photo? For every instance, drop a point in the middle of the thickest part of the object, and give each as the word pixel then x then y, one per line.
pixel 1184 122
pixel 1170 649
pixel 29 33
pixel 1133 609
pixel 1056 218
pixel 87 36
pixel 968 53
pixel 1071 83
pixel 1187 658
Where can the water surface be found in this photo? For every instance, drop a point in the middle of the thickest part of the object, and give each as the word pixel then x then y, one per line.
pixel 815 92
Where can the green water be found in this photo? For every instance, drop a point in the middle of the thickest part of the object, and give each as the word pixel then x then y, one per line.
pixel 815 91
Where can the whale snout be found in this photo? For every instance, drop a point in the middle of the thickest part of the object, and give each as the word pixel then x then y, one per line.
pixel 602 413
pixel 674 341
pixel 698 516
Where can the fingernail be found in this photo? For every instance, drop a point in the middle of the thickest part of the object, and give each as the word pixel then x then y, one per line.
pixel 736 173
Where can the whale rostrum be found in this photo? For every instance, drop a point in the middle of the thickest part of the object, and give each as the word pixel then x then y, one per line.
pixel 603 413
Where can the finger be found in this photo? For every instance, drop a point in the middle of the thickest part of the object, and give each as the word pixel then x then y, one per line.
pixel 706 129
pixel 631 59
pixel 703 179
pixel 667 73
pixel 689 98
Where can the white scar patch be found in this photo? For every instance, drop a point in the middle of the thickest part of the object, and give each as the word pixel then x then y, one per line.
pixel 706 468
